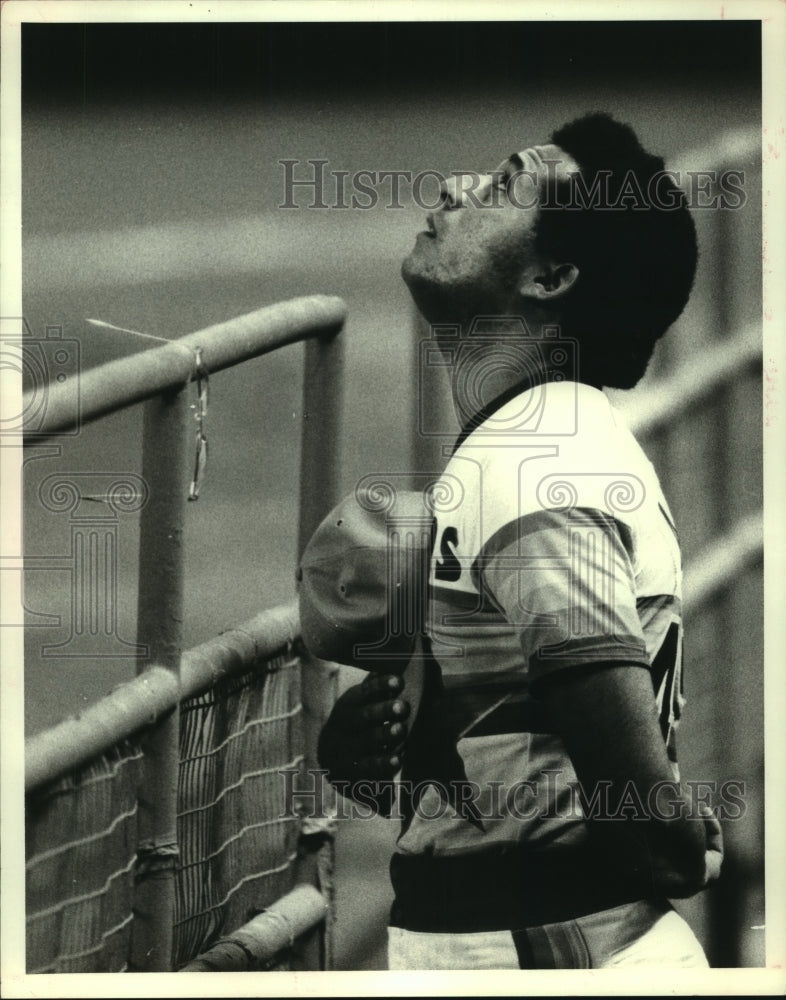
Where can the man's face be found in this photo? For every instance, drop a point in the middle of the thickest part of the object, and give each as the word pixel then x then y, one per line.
pixel 481 242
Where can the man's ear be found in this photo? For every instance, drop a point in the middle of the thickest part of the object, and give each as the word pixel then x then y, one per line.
pixel 548 281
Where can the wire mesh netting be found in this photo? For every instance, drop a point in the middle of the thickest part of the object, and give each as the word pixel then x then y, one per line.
pixel 237 833
pixel 81 836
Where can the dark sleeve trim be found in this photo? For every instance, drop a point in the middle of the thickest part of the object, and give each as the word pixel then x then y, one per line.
pixel 540 520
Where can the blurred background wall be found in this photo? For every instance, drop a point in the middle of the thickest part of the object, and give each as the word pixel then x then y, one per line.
pixel 152 194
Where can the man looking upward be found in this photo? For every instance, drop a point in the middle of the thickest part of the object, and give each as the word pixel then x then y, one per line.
pixel 555 828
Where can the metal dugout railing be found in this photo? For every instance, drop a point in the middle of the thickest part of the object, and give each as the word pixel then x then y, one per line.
pixel 157 821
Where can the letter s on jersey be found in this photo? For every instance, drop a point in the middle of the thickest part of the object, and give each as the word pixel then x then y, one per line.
pixel 448 567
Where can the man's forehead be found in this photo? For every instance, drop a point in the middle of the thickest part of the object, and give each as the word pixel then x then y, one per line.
pixel 549 158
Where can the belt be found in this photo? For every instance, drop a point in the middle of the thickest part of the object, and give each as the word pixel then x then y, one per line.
pixel 509 888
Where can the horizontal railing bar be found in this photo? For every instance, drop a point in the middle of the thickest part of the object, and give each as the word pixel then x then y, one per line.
pixel 661 403
pixel 263 937
pixel 132 379
pixel 266 635
pixel 731 148
pixel 141 701
pixel 108 721
pixel 722 561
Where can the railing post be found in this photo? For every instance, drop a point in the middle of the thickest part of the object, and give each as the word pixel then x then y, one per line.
pixel 323 390
pixel 160 629
pixel 320 477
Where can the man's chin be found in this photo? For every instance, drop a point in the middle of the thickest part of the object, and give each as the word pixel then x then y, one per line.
pixel 414 280
pixel 427 296
pixel 410 271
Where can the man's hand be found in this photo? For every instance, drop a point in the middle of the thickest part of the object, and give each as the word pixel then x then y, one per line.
pixel 679 883
pixel 365 733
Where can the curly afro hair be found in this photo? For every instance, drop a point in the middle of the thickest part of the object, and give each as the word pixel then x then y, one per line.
pixel 633 242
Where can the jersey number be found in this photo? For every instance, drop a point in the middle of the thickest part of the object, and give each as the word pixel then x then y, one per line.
pixel 448 567
pixel 667 678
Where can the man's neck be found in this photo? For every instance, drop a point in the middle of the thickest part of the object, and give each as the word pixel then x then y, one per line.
pixel 472 411
pixel 492 364
pixel 495 358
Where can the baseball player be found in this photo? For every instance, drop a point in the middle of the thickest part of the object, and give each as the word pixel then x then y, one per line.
pixel 543 823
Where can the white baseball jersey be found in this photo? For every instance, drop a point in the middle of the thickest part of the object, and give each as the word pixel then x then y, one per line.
pixel 554 549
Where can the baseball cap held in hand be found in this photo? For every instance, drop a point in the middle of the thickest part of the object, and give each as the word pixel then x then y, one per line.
pixel 363 579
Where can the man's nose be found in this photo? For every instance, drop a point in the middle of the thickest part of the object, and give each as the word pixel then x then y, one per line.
pixel 465 189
